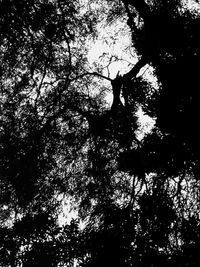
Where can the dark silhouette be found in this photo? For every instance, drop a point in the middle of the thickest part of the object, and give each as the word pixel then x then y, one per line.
pixel 138 198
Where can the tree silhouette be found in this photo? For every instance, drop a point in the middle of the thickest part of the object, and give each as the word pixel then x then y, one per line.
pixel 137 197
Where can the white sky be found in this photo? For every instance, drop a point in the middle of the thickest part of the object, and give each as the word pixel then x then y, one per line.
pixel 113 43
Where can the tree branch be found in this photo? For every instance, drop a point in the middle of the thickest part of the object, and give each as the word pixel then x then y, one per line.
pixel 92 73
pixel 135 70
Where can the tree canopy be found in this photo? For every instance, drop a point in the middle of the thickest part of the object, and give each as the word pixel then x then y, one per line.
pixel 71 134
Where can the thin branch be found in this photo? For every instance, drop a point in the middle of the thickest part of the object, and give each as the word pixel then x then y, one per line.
pixel 43 75
pixel 66 39
pixel 93 74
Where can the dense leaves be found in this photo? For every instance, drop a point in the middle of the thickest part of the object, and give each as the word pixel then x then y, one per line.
pixel 134 193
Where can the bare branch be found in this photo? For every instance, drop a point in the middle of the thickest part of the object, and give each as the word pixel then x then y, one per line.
pixel 93 74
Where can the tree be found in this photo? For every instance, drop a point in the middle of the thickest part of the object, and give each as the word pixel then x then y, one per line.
pixel 164 164
pixel 42 108
pixel 138 198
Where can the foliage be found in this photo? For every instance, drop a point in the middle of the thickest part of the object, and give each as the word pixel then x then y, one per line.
pixel 137 198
